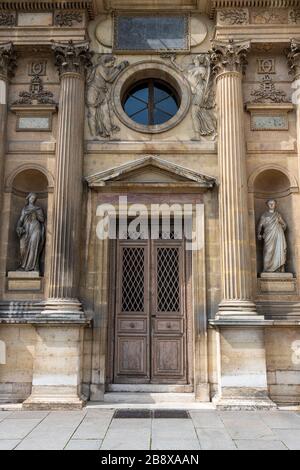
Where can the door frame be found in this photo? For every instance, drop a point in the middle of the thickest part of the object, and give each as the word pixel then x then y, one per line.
pixel 186 295
pixel 101 263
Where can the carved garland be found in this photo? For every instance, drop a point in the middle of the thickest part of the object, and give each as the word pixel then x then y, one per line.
pixel 7 19
pixel 67 19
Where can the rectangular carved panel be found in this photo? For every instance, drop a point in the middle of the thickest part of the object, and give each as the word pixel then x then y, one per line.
pixel 168 357
pixel 132 354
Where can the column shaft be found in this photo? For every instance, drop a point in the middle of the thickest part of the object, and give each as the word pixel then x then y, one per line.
pixel 228 59
pixel 68 189
pixel 72 60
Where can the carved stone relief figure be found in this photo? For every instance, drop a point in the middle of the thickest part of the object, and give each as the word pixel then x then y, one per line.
pixel 271 229
pixel 31 232
pixel 199 76
pixel 99 82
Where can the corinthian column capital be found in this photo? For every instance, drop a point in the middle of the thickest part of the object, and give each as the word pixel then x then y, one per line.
pixel 229 56
pixel 293 57
pixel 72 57
pixel 8 60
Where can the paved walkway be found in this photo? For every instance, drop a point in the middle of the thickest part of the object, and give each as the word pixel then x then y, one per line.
pixel 96 429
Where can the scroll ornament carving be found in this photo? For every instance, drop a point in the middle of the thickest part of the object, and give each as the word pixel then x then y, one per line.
pixel 271 229
pixel 67 19
pixel 72 57
pixel 267 92
pixel 8 60
pixel 200 78
pixel 31 232
pixel 7 19
pixel 234 17
pixel 269 16
pixel 229 56
pixel 294 16
pixel 100 79
pixel 36 94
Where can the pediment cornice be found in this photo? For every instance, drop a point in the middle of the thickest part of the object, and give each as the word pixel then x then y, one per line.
pixel 123 173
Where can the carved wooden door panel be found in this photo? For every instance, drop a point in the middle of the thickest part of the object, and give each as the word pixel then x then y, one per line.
pixel 150 327
pixel 168 342
pixel 132 348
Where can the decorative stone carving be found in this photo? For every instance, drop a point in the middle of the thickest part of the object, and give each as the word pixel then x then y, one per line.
pixel 294 16
pixel 38 67
pixel 199 75
pixel 72 57
pixel 271 230
pixel 293 56
pixel 234 16
pixel 269 16
pixel 8 60
pixel 67 19
pixel 267 92
pixel 7 19
pixel 36 94
pixel 98 97
pixel 266 66
pixel 229 56
pixel 31 231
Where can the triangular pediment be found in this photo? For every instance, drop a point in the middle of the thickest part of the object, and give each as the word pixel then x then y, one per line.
pixel 150 171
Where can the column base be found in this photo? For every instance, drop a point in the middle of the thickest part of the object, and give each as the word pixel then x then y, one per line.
pixel 202 393
pixel 60 308
pixel 238 310
pixel 244 404
pixel 56 401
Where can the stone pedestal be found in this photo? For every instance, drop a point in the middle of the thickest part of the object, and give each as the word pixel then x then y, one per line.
pixel 24 281
pixel 242 370
pixel 277 284
pixel 57 369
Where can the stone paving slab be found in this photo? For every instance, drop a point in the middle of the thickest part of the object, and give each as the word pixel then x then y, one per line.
pixel 174 434
pixel 215 439
pixel 260 445
pixel 8 444
pixel 83 444
pixel 97 429
pixel 94 425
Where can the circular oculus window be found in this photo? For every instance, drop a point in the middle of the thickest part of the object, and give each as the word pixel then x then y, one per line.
pixel 151 98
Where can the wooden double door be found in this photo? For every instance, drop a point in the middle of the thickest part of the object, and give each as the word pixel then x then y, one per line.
pixel 150 343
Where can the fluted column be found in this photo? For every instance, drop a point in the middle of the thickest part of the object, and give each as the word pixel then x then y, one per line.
pixel 7 66
pixel 294 66
pixel 72 60
pixel 228 61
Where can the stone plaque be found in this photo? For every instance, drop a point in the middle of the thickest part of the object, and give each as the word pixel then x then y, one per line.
pixel 34 123
pixel 151 32
pixel 35 19
pixel 269 123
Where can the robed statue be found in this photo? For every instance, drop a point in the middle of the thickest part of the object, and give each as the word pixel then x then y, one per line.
pixel 200 78
pixel 271 229
pixel 98 96
pixel 31 232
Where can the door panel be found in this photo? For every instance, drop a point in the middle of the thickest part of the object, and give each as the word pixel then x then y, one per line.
pixel 132 319
pixel 168 313
pixel 150 328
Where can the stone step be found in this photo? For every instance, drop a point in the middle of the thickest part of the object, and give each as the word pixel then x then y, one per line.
pixel 148 398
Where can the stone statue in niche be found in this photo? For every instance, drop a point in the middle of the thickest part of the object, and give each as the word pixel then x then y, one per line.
pixel 199 76
pixel 99 82
pixel 31 232
pixel 271 229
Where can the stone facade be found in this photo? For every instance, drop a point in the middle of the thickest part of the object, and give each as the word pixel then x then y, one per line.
pixel 65 135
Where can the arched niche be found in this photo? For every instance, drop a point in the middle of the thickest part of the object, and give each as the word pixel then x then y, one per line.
pixel 20 184
pixel 275 183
